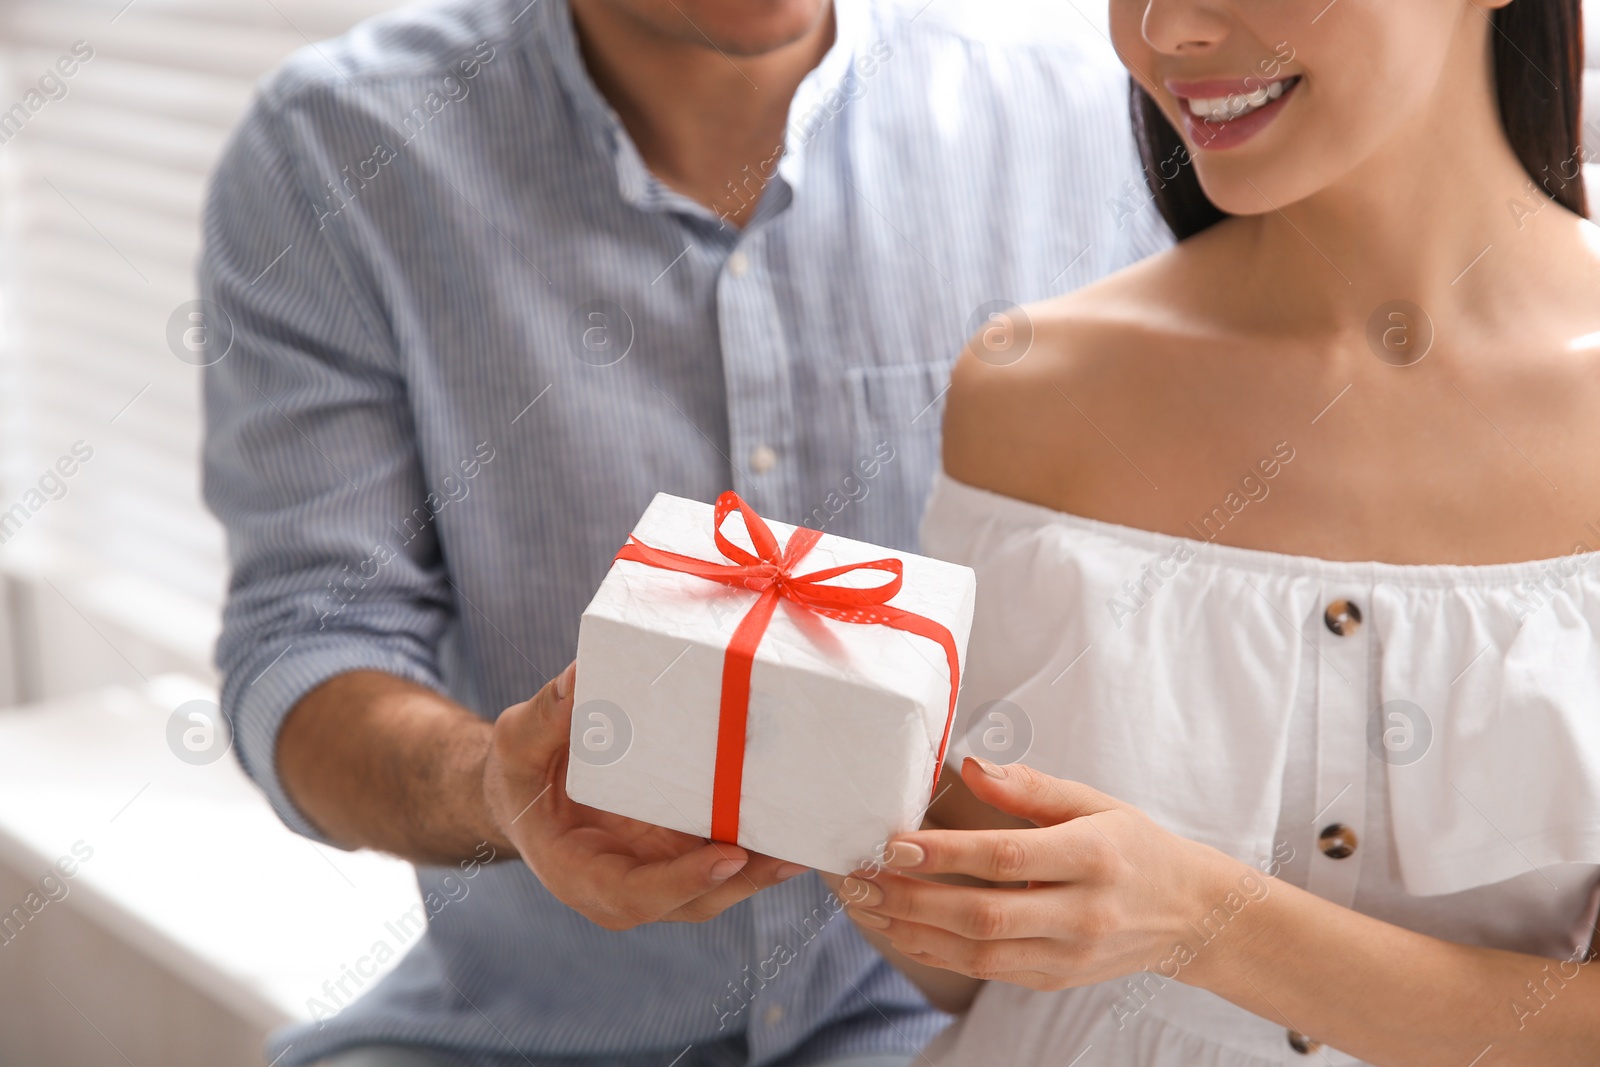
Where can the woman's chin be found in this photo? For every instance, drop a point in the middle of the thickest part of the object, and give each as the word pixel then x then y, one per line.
pixel 1239 188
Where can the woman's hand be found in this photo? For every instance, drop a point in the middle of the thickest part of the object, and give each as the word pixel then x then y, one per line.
pixel 1107 891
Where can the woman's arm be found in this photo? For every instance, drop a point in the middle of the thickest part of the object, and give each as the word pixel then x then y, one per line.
pixel 955 808
pixel 1393 996
pixel 1109 893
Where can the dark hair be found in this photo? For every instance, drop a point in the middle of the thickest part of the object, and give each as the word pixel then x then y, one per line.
pixel 1538 76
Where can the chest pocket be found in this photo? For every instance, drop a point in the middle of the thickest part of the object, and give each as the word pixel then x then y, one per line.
pixel 897 412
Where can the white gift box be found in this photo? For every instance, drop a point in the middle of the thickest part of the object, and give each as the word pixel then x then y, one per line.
pixel 845 720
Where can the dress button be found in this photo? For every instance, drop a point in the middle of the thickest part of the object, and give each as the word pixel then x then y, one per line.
pixel 773 1015
pixel 763 459
pixel 1303 1044
pixel 738 264
pixel 1337 841
pixel 1342 617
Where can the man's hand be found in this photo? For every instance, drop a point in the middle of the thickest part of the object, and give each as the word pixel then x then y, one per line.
pixel 375 761
pixel 615 871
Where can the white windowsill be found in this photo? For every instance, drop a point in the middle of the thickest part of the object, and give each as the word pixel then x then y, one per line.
pixel 190 866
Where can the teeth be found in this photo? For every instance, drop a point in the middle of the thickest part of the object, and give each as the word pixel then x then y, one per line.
pixel 1228 108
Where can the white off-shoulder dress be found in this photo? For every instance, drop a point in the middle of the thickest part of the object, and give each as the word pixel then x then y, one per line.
pixel 1419 743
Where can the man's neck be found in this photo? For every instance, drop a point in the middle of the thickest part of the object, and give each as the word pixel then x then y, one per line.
pixel 708 124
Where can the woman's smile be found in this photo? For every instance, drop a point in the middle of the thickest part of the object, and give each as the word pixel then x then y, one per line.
pixel 1219 114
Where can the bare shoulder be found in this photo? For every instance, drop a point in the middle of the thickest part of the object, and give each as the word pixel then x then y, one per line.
pixel 1006 424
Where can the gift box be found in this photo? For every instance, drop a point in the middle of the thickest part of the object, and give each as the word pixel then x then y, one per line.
pixel 768 685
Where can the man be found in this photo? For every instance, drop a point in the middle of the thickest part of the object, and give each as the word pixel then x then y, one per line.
pixel 497 272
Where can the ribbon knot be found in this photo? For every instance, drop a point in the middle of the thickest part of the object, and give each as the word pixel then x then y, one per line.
pixel 770 572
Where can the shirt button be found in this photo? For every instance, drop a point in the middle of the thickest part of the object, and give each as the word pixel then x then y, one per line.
pixel 763 459
pixel 738 264
pixel 773 1015
pixel 1303 1044
pixel 1342 617
pixel 1337 841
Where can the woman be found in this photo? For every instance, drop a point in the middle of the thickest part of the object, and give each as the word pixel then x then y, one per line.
pixel 1285 543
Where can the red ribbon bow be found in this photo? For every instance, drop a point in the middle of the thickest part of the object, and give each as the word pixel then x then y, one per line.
pixel 770 572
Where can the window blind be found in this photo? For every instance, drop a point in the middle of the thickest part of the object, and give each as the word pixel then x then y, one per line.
pixel 112 114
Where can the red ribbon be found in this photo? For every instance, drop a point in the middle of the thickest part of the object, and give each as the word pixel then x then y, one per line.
pixel 770 573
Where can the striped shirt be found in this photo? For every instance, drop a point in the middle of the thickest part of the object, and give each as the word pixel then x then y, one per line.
pixel 469 335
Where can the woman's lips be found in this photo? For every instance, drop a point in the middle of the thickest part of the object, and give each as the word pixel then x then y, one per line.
pixel 1231 112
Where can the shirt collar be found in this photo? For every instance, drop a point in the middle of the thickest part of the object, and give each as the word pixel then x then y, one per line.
pixel 561 42
pixel 812 108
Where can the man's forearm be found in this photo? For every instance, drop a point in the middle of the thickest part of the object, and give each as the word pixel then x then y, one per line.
pixel 375 761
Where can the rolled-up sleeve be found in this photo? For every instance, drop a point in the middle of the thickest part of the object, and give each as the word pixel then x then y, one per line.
pixel 310 458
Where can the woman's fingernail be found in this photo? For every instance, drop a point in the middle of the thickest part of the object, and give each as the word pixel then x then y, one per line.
pixel 869 918
pixel 564 681
pixel 861 894
pixel 993 770
pixel 722 870
pixel 789 870
pixel 903 854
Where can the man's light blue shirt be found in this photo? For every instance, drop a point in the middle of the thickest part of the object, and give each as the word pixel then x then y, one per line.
pixel 472 336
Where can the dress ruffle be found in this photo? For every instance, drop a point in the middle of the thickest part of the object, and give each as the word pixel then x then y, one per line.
pixel 1178 697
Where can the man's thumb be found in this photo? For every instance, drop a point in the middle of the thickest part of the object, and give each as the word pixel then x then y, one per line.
pixel 565 681
pixel 545 719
